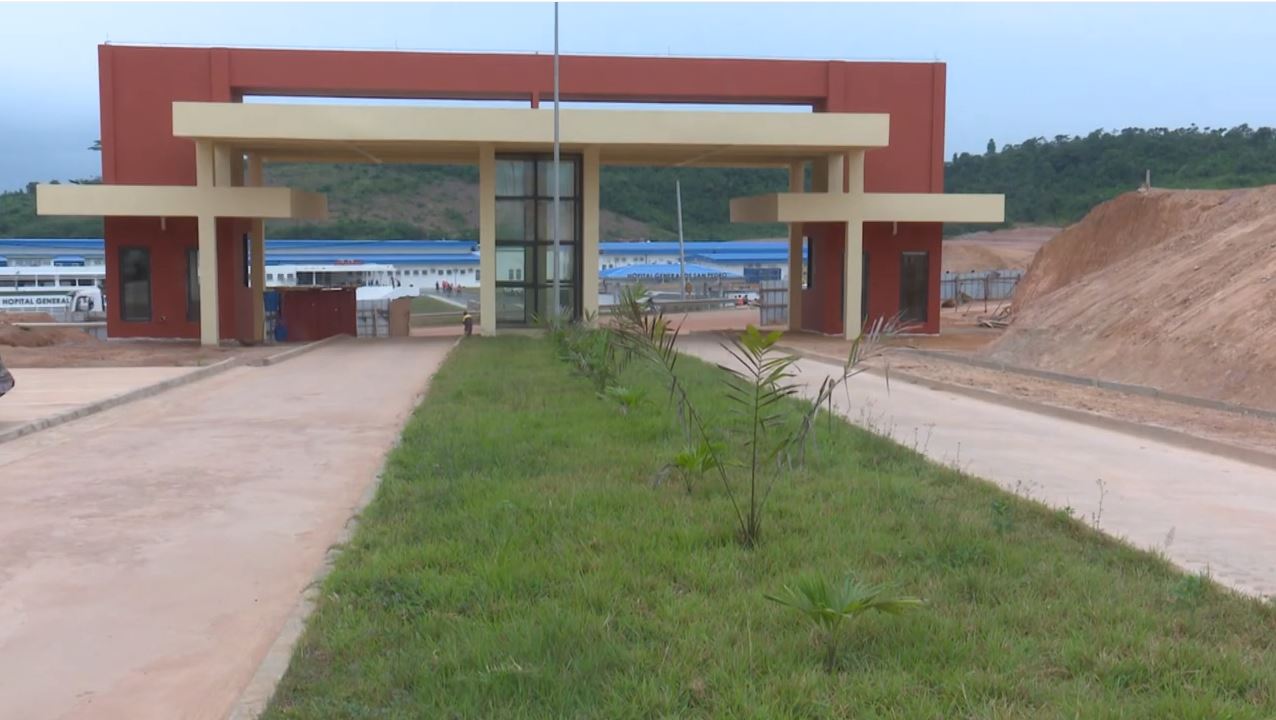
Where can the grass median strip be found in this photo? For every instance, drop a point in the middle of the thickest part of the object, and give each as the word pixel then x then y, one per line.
pixel 527 557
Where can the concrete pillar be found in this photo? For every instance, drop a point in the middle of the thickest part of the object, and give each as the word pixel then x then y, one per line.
pixel 487 239
pixel 257 279
pixel 209 318
pixel 590 230
pixel 835 170
pixel 853 278
pixel 855 172
pixel 796 185
pixel 854 247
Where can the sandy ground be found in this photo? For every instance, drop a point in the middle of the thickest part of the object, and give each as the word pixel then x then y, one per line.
pixel 1205 512
pixel 1172 289
pixel 150 554
pixel 45 392
pixel 1010 249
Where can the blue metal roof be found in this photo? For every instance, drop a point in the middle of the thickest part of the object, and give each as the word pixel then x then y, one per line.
pixel 441 251
pixel 399 246
pixel 664 270
pixel 374 258
pixel 671 248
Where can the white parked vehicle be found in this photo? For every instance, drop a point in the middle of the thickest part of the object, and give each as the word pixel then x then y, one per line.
pixel 65 292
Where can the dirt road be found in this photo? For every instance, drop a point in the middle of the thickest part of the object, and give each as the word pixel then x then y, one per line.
pixel 1205 512
pixel 150 554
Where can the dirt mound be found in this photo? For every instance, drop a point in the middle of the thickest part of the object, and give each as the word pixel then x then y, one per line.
pixel 1174 289
pixel 1010 249
pixel 12 335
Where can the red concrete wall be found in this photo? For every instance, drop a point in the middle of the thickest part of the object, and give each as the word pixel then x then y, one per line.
pixel 138 85
pixel 913 95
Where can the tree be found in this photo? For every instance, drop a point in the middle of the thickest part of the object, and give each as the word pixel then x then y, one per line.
pixel 96 146
pixel 992 147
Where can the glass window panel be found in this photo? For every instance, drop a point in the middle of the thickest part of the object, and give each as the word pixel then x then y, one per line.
pixel 512 263
pixel 565 264
pixel 135 284
pixel 546 296
pixel 514 220
pixel 514 178
pixel 192 284
pixel 511 305
pixel 566 177
pixel 566 221
pixel 914 276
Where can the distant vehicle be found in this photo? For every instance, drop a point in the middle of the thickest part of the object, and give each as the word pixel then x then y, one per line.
pixel 6 380
pixel 59 290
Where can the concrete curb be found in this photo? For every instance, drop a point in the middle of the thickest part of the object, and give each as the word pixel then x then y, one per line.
pixel 255 697
pixel 1147 432
pixel 293 352
pixel 1129 388
pixel 117 400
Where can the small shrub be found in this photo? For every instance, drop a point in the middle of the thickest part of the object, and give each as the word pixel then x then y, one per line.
pixel 828 606
pixel 694 462
pixel 626 398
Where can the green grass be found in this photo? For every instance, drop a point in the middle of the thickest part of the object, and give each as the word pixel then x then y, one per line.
pixel 520 562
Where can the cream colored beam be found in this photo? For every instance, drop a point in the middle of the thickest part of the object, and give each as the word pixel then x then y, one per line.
pixel 256 178
pixel 487 240
pixel 797 181
pixel 899 207
pixel 241 123
pixel 612 156
pixel 922 207
pixel 206 165
pixel 590 231
pixel 757 209
pixel 180 201
pixel 853 279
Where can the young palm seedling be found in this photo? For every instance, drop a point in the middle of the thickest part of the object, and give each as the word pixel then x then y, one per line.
pixel 829 606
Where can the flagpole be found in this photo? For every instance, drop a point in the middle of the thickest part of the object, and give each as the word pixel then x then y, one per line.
pixel 557 195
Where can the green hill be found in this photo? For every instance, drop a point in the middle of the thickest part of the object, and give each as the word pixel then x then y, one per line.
pixel 1046 182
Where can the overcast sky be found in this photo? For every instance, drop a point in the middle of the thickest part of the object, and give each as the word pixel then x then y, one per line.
pixel 1014 71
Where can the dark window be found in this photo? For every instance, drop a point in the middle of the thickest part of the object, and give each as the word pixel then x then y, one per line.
pixel 809 247
pixel 135 284
pixel 914 286
pixel 192 284
pixel 864 275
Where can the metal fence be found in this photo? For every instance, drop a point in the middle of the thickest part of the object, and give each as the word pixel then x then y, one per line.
pixel 773 302
pixel 981 285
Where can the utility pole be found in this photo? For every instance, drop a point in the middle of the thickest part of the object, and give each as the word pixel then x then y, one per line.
pixel 682 248
pixel 557 233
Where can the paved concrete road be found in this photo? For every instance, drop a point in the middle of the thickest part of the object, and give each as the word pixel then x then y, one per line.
pixel 150 554
pixel 44 392
pixel 1217 514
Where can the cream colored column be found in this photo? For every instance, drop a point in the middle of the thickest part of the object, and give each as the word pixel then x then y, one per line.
pixel 256 178
pixel 209 320
pixel 797 184
pixel 487 239
pixel 834 171
pixel 854 279
pixel 590 230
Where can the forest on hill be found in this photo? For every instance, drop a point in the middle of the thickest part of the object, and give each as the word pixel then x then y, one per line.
pixel 1046 182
